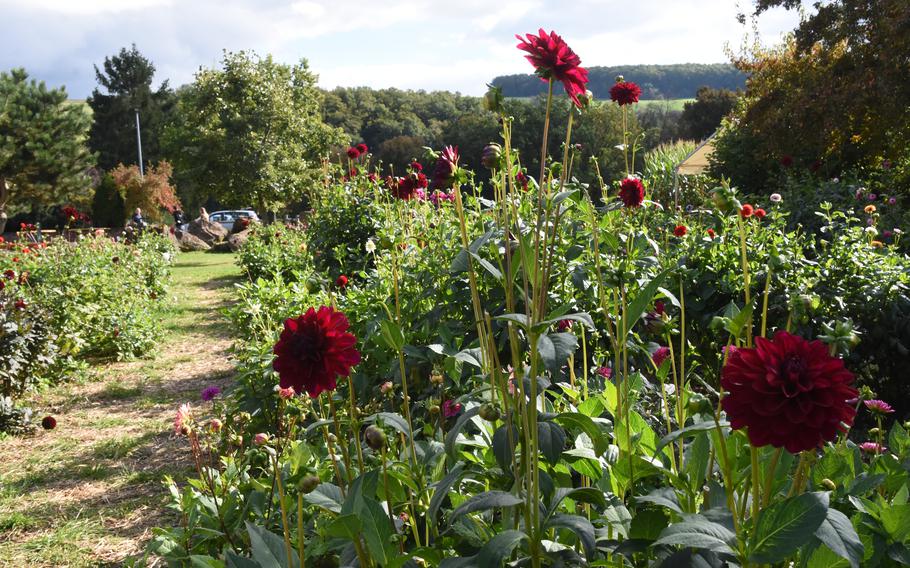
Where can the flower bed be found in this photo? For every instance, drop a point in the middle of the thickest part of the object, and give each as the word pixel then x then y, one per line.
pixel 434 376
pixel 62 303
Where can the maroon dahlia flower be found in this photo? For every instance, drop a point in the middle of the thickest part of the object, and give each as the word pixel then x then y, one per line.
pixel 625 93
pixel 362 149
pixel 353 153
pixel 446 166
pixel 48 422
pixel 631 192
pixel 788 392
pixel 313 350
pixel 552 58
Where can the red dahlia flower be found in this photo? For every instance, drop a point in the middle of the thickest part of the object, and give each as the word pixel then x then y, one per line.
pixel 362 148
pixel 680 230
pixel 661 355
pixel 625 93
pixel 746 211
pixel 446 166
pixel 631 192
pixel 341 281
pixel 760 213
pixel 552 58
pixel 788 392
pixel 416 166
pixel 711 233
pixel 786 160
pixel 313 350
pixel 353 153
pixel 48 422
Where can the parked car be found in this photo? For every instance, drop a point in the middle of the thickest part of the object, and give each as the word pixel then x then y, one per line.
pixel 227 218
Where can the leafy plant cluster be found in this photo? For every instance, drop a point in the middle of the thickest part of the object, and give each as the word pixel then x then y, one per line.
pixel 647 490
pixel 63 303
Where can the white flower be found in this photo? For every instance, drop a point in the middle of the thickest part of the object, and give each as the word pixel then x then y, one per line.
pixel 871 230
pixel 897 231
pixel 776 198
pixel 370 246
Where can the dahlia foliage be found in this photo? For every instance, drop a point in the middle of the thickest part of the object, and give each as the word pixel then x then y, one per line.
pixel 788 392
pixel 313 350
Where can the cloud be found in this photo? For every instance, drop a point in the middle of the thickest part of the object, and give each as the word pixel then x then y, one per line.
pixel 406 43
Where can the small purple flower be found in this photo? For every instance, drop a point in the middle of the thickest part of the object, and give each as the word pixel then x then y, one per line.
pixel 870 221
pixel 605 372
pixel 878 406
pixel 892 201
pixel 661 355
pixel 872 197
pixel 209 393
pixel 887 234
pixel 872 447
pixel 450 408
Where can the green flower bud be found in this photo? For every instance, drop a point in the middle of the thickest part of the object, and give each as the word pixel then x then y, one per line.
pixel 828 484
pixel 375 437
pixel 489 412
pixel 308 484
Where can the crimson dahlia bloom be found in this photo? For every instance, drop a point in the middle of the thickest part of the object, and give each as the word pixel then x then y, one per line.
pixel 552 58
pixel 746 211
pixel 48 422
pixel 446 166
pixel 625 93
pixel 353 153
pixel 631 192
pixel 680 230
pixel 313 350
pixel 362 148
pixel 788 392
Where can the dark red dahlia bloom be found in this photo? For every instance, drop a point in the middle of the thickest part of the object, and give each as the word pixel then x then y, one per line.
pixel 341 281
pixel 680 230
pixel 760 213
pixel 48 422
pixel 625 93
pixel 446 166
pixel 353 153
pixel 788 392
pixel 416 166
pixel 523 180
pixel 362 148
pixel 552 58
pixel 786 160
pixel 313 350
pixel 408 187
pixel 631 192
pixel 746 211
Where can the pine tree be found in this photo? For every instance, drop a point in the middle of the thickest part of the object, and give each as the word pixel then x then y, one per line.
pixel 44 158
pixel 126 80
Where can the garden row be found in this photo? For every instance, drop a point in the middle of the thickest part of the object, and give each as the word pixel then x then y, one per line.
pixel 436 373
pixel 63 304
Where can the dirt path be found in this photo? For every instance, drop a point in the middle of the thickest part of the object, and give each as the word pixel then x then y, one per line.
pixel 89 492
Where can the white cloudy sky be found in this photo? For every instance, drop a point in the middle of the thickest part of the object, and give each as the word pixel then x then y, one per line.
pixel 418 44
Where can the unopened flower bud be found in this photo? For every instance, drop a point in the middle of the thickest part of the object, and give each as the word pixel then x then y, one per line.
pixel 436 379
pixel 828 484
pixel 491 157
pixel 620 79
pixel 215 425
pixel 386 387
pixel 308 484
pixel 489 412
pixel 375 437
pixel 261 439
pixel 434 409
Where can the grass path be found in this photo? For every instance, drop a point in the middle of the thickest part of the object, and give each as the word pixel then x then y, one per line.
pixel 89 492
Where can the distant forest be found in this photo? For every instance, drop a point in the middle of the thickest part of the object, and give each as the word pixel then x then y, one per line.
pixel 679 81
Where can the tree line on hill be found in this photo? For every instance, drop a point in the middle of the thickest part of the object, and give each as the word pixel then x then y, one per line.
pixel 255 132
pixel 680 81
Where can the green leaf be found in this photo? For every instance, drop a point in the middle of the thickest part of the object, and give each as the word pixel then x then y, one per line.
pixel 234 560
pixel 698 532
pixel 200 561
pixel 587 425
pixel 327 496
pixel 663 497
pixel 686 432
pixel 345 526
pixel 392 419
pixel 554 349
pixel 499 548
pixel 551 440
pixel 591 495
pixel 492 270
pixel 896 521
pixel 580 526
pixel 485 501
pixel 392 335
pixel 638 306
pixel 782 527
pixel 268 548
pixel 502 450
pixel 452 435
pixel 521 320
pixel 838 534
pixel 377 530
pixel 442 489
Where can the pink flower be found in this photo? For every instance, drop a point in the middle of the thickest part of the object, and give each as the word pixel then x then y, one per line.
pixel 564 324
pixel 386 387
pixel 286 393
pixel 552 58
pixel 661 355
pixel 872 447
pixel 878 406
pixel 261 439
pixel 605 372
pixel 183 419
pixel 450 408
